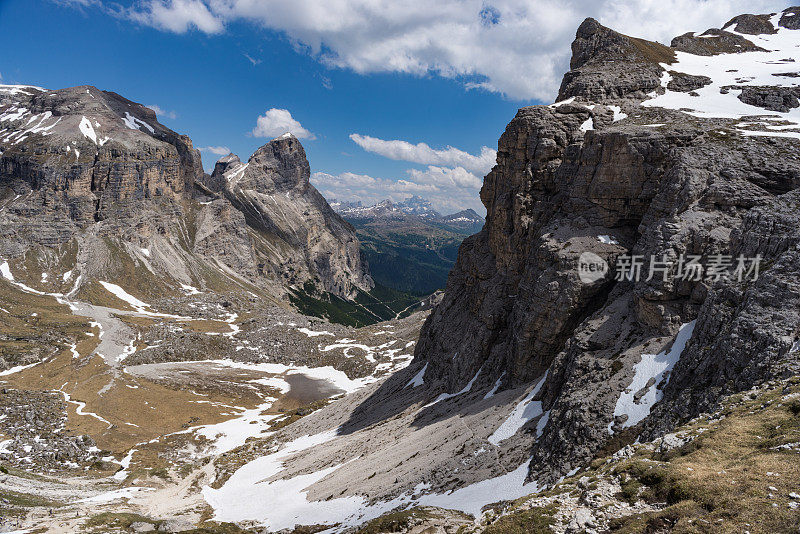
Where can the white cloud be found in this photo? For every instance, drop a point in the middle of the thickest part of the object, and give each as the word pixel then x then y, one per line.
pixel 252 60
pixel 80 3
pixel 425 155
pixel 276 122
pixel 161 112
pixel 451 180
pixel 218 150
pixel 445 177
pixel 178 16
pixel 516 47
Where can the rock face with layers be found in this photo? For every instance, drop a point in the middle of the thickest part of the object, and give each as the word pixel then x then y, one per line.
pixel 308 240
pixel 624 166
pixel 80 155
pixel 90 171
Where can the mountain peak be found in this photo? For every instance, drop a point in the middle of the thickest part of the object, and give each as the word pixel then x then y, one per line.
pixel 606 64
pixel 283 162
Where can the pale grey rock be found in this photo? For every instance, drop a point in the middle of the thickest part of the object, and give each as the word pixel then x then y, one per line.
pixel 308 241
pixel 781 99
pixel 515 307
pixel 713 42
pixel 175 525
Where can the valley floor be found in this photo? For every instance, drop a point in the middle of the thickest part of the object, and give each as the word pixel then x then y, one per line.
pixel 130 414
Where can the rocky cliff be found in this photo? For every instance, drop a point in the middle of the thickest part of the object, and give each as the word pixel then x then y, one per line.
pixel 666 154
pixel 309 241
pixel 91 183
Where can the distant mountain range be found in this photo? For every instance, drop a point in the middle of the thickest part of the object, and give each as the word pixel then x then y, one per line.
pixel 408 245
pixel 466 221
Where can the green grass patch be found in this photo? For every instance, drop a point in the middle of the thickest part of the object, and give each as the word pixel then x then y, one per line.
pixel 535 520
pixel 380 304
pixel 395 521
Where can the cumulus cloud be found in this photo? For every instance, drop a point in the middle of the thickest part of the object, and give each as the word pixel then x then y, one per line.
pixel 451 179
pixel 516 47
pixel 178 16
pixel 445 177
pixel 218 150
pixel 276 122
pixel 424 154
pixel 161 112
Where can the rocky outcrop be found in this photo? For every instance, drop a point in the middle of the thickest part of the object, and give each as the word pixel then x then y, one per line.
pixel 80 155
pixel 608 175
pixel 686 82
pixel 86 167
pixel 308 241
pixel 751 24
pixel 771 98
pixel 713 42
pixel 790 18
pixel 607 65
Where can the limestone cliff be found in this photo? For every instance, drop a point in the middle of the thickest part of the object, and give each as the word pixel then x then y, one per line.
pixel 94 183
pixel 309 240
pixel 635 159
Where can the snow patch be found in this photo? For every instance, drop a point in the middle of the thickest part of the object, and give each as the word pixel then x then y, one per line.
pixel 5 270
pixel 471 499
pixel 134 123
pixel 123 295
pixel 190 290
pixel 527 410
pixel 17 369
pixel 652 366
pixel 79 406
pixel 312 333
pixel 495 388
pixel 87 130
pixel 123 493
pixel 467 388
pixel 618 114
pixel 418 379
pixel 735 71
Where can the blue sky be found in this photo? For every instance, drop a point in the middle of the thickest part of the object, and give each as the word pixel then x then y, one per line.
pixel 447 74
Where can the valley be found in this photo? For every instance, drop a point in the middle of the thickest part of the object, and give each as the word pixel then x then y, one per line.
pixel 409 246
pixel 614 348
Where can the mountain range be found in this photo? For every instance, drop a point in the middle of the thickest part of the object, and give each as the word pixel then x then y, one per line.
pixel 465 221
pixel 409 246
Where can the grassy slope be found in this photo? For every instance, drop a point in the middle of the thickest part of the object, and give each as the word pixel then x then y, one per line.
pixel 733 477
pixel 380 304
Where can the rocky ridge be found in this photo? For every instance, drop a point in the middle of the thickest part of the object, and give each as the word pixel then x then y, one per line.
pixel 308 240
pixel 637 158
pixel 93 185
pixel 412 208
